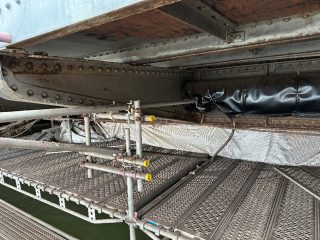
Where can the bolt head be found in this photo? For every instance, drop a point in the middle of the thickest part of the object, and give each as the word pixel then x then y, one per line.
pixel 30 92
pixel 57 67
pixel 14 87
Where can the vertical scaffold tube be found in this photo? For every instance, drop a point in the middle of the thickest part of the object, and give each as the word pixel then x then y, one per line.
pixel 88 140
pixel 127 137
pixel 130 190
pixel 131 208
pixel 137 119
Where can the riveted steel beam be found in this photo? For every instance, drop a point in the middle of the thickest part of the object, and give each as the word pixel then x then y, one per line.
pixel 200 16
pixel 282 30
pixel 34 21
pixel 295 67
pixel 293 50
pixel 65 81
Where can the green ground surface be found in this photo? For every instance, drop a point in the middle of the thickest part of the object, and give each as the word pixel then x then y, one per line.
pixel 66 222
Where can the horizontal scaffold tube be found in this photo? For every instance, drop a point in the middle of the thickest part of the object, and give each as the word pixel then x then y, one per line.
pixel 119 116
pixel 121 158
pixel 124 172
pixel 61 147
pixel 69 111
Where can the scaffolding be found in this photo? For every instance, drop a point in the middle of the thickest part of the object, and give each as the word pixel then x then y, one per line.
pixel 188 196
pixel 51 167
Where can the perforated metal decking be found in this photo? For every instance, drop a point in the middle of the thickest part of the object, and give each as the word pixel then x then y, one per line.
pixel 222 199
pixel 62 171
pixel 232 199
pixel 16 224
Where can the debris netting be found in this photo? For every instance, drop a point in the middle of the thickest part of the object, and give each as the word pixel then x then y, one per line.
pixel 294 148
pixel 284 148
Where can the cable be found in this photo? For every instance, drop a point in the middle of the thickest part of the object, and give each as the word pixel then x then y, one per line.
pixel 227 141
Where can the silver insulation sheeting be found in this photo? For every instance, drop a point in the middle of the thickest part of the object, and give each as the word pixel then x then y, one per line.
pixel 294 148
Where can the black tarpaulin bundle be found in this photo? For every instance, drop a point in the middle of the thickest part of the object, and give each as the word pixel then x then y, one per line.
pixel 268 95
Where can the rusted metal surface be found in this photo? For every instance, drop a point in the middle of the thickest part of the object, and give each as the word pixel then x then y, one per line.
pixel 63 81
pixel 69 26
pixel 248 38
pixel 293 50
pixel 286 124
pixel 201 17
pixel 255 122
pixel 150 25
pixel 250 11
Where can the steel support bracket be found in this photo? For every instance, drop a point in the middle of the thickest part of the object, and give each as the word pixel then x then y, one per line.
pixel 234 36
pixel 62 202
pixel 91 213
pixel 38 192
pixel 18 184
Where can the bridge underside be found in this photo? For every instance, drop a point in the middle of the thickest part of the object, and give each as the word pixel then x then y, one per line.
pixel 159 51
pixel 249 68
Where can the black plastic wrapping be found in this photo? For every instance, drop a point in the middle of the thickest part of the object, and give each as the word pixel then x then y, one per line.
pixel 270 95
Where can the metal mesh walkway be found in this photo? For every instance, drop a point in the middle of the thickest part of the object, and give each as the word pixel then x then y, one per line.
pixel 232 199
pixel 220 199
pixel 62 171
pixel 15 225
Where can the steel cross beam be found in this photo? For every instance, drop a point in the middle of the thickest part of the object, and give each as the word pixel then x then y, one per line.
pixel 291 50
pixel 200 16
pixel 34 21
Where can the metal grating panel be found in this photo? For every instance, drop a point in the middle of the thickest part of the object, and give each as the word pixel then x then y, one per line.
pixel 105 186
pixel 203 220
pixel 15 225
pixel 57 162
pixel 7 153
pixel 13 161
pixel 179 202
pixel 296 216
pixel 250 220
pixel 62 170
pixel 226 199
pixel 307 178
pixel 47 163
pixel 162 180
pixel 249 202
